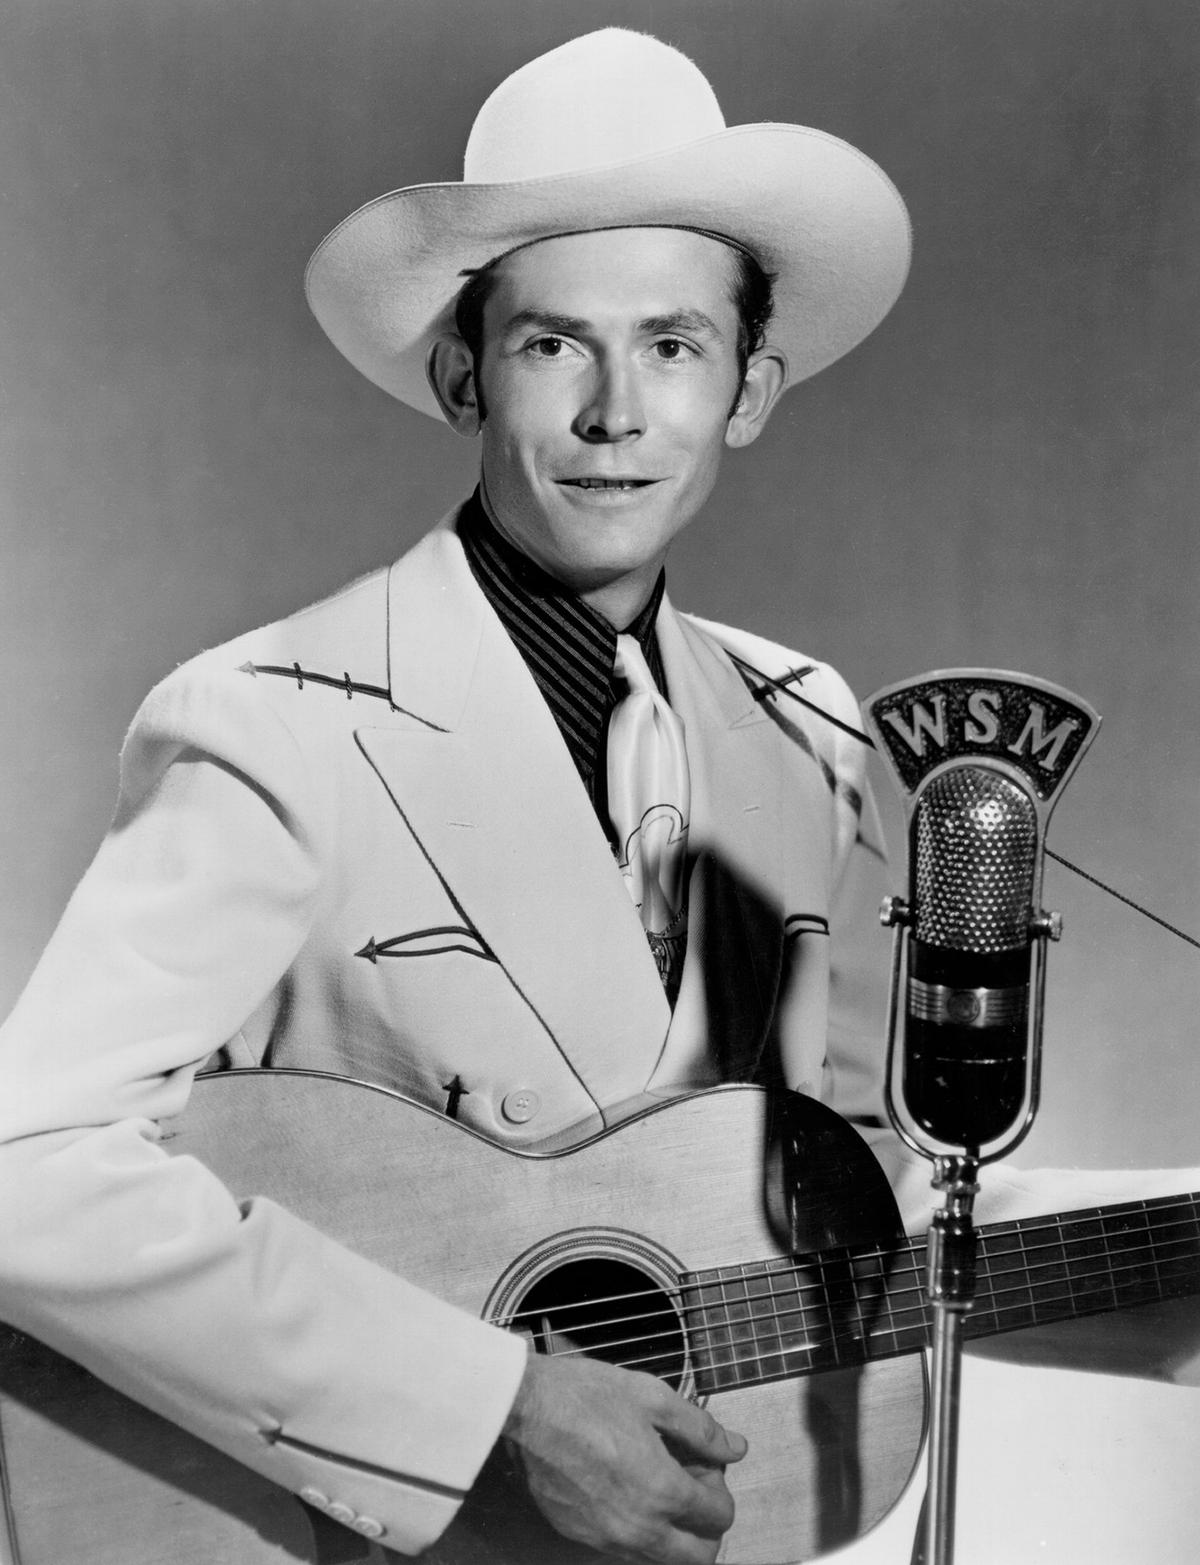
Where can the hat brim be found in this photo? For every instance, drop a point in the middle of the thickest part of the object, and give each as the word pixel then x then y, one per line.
pixel 816 212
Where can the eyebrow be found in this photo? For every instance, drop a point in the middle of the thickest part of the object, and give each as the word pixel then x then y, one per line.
pixel 681 320
pixel 547 320
pixel 653 325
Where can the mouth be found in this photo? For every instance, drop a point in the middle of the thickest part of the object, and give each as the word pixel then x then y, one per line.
pixel 617 484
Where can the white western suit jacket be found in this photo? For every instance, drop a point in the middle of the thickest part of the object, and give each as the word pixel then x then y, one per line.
pixel 277 838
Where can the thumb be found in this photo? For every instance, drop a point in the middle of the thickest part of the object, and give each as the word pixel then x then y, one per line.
pixel 694 1435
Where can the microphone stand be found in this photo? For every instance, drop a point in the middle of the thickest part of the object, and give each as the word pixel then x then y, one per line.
pixel 953 1240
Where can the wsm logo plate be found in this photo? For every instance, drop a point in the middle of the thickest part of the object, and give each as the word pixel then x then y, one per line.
pixel 960 714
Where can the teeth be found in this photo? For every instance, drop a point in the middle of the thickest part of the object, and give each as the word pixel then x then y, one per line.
pixel 604 483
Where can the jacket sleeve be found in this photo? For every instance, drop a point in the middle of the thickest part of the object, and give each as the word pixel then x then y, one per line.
pixel 239 1322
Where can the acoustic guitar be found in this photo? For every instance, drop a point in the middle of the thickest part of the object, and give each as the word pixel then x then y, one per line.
pixel 740 1243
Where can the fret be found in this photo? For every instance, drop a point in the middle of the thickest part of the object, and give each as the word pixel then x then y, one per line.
pixel 789 1296
pixel 880 1301
pixel 984 1319
pixel 1061 1244
pixel 730 1369
pixel 712 1352
pixel 1047 1271
pixel 746 1316
pixel 769 1335
pixel 1091 1264
pixel 891 1304
pixel 1020 1285
pixel 1131 1253
pixel 866 1297
pixel 909 1310
pixel 1178 1245
pixel 801 1336
pixel 829 1273
pixel 1002 1264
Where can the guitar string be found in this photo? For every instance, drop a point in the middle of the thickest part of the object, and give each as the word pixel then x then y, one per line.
pixel 814 1296
pixel 914 1263
pixel 833 1340
pixel 986 1304
pixel 1016 1227
pixel 989 1300
pixel 901 1281
pixel 834 1348
pixel 831 1349
pixel 1135 1258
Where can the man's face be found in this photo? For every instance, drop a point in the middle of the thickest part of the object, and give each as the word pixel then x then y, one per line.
pixel 608 371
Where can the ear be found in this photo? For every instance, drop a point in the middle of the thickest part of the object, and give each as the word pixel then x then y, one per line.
pixel 765 378
pixel 450 371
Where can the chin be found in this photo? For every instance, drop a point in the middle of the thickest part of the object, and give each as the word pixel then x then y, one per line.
pixel 601 568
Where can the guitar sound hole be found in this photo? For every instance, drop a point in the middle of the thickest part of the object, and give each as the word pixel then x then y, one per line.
pixel 608 1310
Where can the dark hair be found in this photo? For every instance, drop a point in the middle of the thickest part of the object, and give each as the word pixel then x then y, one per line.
pixel 754 297
pixel 751 291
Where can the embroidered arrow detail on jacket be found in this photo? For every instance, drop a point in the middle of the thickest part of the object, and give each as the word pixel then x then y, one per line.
pixel 771 686
pixel 303 676
pixel 429 942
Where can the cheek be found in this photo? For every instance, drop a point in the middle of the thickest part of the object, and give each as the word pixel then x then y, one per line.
pixel 703 440
pixel 509 450
pixel 525 436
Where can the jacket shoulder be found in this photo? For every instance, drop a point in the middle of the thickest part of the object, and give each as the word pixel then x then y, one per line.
pixel 342 639
pixel 760 660
pixel 261 698
pixel 342 635
pixel 815 711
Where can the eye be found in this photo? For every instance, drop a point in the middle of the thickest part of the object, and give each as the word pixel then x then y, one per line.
pixel 547 348
pixel 672 349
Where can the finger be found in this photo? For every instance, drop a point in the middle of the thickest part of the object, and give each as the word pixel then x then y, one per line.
pixel 707 1508
pixel 684 1548
pixel 667 1545
pixel 695 1435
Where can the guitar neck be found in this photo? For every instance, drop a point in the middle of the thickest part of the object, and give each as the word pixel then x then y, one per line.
pixel 799 1315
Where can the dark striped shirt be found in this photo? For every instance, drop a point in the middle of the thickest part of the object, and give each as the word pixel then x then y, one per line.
pixel 568 647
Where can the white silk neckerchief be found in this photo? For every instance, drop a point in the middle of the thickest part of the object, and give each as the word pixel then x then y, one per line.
pixel 649 795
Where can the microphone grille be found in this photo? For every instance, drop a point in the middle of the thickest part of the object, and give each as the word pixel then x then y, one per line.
pixel 974 852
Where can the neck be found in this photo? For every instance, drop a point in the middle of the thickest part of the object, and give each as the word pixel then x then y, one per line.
pixel 621 601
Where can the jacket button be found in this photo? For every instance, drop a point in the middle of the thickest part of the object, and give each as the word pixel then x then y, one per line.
pixel 520 1106
pixel 316 1497
pixel 340 1512
pixel 368 1526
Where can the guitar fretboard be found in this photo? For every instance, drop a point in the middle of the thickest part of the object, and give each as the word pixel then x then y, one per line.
pixel 797 1315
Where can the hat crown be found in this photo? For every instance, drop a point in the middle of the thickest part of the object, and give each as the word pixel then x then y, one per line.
pixel 609 97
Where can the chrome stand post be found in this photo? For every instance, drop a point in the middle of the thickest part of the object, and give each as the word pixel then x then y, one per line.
pixel 950 1283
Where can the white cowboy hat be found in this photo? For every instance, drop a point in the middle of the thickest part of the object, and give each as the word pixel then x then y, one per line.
pixel 616 130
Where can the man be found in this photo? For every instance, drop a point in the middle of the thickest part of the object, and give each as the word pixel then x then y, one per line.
pixel 429 764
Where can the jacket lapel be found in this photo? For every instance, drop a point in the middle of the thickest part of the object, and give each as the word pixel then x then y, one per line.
pixel 478 769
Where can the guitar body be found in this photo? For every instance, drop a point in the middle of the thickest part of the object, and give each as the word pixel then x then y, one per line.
pixel 715 1183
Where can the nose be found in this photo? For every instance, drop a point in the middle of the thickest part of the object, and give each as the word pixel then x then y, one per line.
pixel 612 410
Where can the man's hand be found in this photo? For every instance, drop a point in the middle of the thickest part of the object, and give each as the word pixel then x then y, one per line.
pixel 617 1460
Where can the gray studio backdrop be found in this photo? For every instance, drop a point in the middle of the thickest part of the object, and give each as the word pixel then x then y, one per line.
pixel 1004 474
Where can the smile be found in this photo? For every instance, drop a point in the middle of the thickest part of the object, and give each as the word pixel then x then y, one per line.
pixel 617 484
